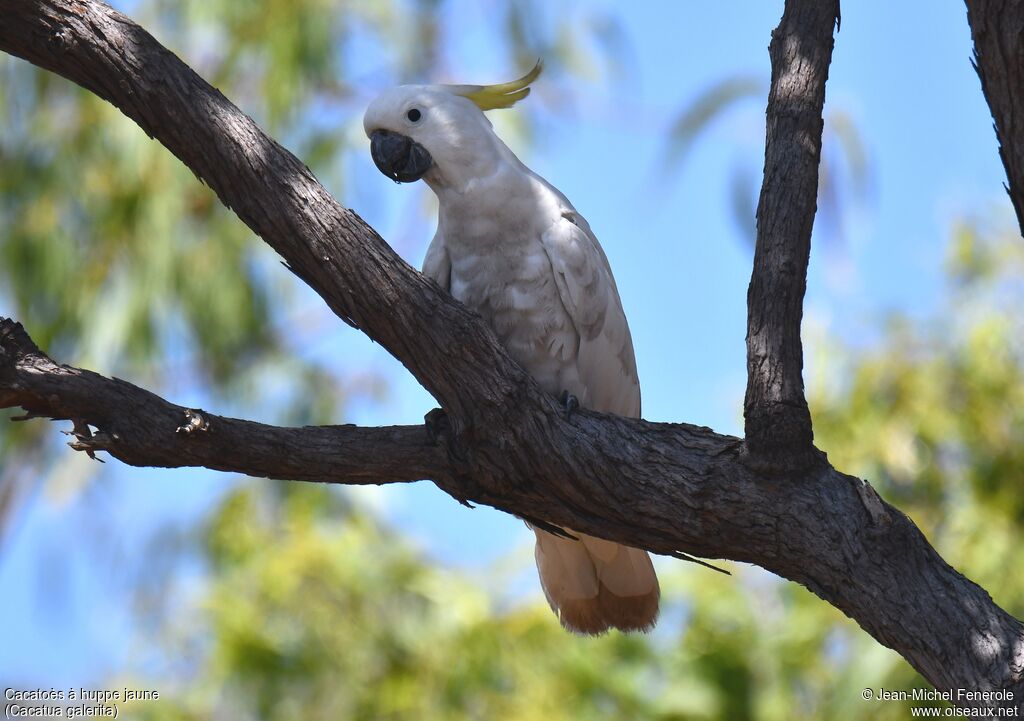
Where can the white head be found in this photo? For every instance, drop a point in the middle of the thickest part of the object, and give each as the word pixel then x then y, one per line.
pixel 439 132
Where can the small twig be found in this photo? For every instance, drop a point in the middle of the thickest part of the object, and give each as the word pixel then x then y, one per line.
pixel 687 557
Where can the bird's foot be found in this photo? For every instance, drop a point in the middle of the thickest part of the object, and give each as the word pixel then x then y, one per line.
pixel 570 404
pixel 436 424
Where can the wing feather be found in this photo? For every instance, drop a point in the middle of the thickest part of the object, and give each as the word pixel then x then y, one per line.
pixel 437 265
pixel 606 362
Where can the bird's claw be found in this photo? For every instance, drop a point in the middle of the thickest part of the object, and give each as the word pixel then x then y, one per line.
pixel 570 404
pixel 436 424
pixel 194 421
pixel 88 441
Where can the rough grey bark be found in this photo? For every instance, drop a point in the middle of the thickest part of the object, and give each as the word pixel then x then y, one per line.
pixel 778 422
pixel 500 440
pixel 997 28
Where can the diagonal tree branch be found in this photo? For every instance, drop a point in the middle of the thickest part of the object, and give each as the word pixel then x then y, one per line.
pixel 997 28
pixel 778 423
pixel 276 195
pixel 663 487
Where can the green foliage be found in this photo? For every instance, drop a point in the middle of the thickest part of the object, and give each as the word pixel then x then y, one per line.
pixel 934 415
pixel 315 611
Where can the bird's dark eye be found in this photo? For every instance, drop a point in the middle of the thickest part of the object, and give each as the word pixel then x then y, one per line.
pixel 414 114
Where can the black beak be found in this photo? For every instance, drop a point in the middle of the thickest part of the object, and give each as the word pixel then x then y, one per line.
pixel 399 157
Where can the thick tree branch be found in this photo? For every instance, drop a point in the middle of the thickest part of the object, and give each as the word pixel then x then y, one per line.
pixel 997 27
pixel 141 429
pixel 664 487
pixel 658 486
pixel 778 423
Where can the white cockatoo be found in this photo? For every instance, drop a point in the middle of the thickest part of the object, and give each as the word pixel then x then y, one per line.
pixel 510 246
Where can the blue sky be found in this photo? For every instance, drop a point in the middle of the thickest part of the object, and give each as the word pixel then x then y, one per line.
pixel 901 72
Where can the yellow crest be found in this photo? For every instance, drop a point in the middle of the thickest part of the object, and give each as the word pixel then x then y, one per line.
pixel 502 95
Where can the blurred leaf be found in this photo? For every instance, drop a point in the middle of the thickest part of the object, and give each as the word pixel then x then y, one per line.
pixel 844 173
pixel 704 110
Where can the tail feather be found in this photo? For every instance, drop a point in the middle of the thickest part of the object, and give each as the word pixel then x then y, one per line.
pixel 593 584
pixel 629 613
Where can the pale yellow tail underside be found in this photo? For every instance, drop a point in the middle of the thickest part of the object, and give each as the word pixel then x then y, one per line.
pixel 593 584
